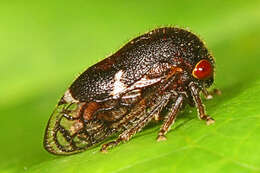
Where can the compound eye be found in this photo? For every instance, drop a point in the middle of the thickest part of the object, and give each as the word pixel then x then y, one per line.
pixel 202 70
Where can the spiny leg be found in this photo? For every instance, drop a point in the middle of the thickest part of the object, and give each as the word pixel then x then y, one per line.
pixel 127 134
pixel 170 118
pixel 200 107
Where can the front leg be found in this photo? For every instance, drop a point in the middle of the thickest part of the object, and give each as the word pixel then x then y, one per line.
pixel 209 95
pixel 200 107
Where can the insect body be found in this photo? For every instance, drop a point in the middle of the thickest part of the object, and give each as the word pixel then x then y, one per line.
pixel 152 76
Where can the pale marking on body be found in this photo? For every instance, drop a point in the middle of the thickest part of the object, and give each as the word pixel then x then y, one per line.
pixel 131 96
pixel 68 97
pixel 143 82
pixel 118 86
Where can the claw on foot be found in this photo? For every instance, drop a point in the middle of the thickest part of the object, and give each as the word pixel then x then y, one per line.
pixel 161 138
pixel 210 121
pixel 103 149
pixel 208 97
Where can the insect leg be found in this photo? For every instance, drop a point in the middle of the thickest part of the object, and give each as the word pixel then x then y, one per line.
pixel 200 107
pixel 206 94
pixel 127 134
pixel 209 95
pixel 170 119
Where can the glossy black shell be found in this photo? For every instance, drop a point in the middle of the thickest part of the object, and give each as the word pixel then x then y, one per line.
pixel 169 44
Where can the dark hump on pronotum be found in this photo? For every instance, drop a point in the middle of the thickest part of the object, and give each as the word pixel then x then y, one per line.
pixel 135 58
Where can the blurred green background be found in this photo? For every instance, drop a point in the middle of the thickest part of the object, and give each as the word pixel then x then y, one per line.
pixel 44 45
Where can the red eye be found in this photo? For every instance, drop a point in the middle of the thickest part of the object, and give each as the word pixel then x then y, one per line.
pixel 202 70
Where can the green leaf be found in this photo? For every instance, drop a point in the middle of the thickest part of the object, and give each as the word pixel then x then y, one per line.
pixel 45 44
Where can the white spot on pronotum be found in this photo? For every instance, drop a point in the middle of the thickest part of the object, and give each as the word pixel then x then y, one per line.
pixel 118 86
pixel 68 97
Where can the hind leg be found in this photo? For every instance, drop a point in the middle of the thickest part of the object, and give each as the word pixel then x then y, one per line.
pixel 138 126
